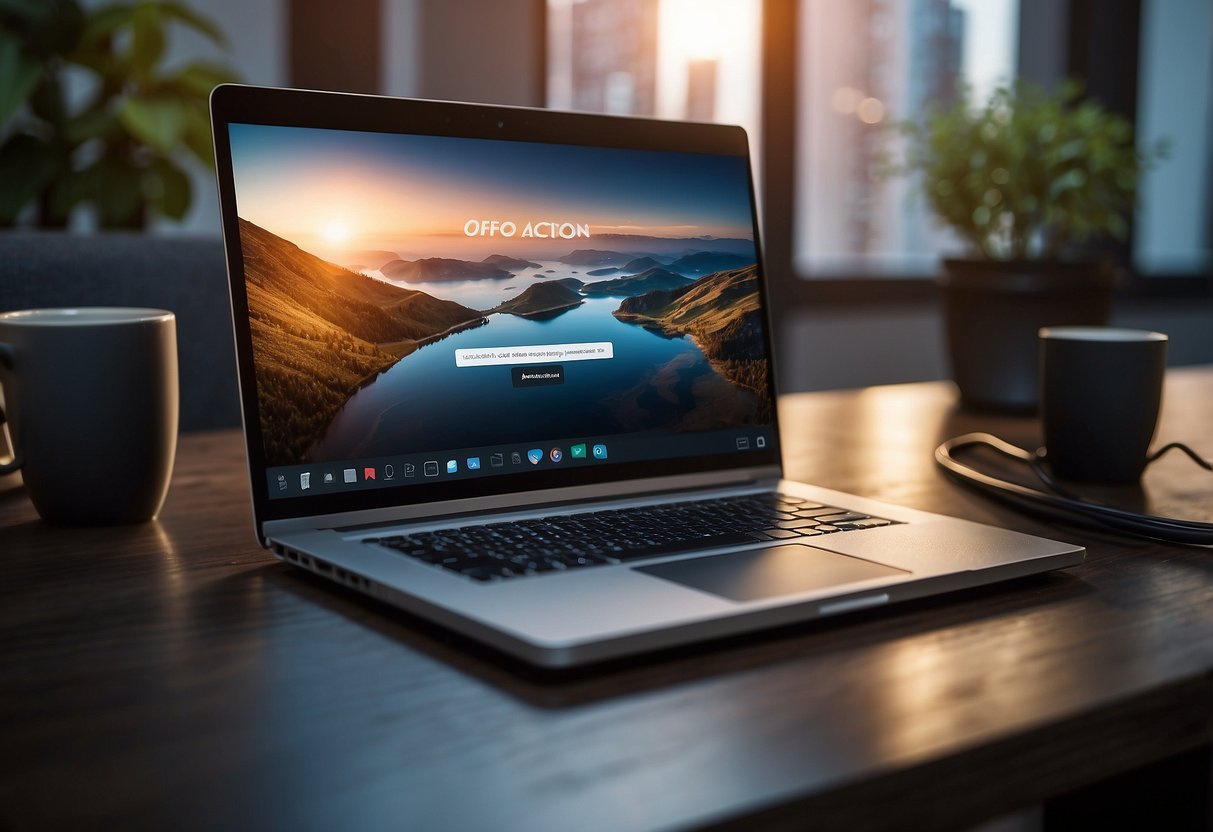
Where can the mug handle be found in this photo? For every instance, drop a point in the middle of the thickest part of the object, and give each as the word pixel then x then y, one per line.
pixel 6 358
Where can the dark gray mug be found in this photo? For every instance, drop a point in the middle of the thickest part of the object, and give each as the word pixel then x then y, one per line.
pixel 90 396
pixel 1100 393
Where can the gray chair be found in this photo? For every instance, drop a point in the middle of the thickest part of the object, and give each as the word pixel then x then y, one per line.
pixel 186 275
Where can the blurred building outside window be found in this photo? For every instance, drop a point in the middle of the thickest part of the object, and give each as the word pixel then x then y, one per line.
pixel 862 66
pixel 697 60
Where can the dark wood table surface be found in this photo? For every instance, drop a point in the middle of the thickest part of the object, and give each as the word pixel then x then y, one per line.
pixel 174 675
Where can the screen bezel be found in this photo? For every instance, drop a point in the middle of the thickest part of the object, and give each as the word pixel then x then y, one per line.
pixel 240 104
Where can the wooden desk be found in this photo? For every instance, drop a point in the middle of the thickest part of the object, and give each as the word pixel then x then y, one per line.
pixel 174 675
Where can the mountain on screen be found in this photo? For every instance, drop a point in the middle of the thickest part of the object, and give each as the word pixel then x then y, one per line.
pixel 436 269
pixel 721 313
pixel 708 262
pixel 646 281
pixel 641 264
pixel 370 258
pixel 506 262
pixel 543 300
pixel 320 331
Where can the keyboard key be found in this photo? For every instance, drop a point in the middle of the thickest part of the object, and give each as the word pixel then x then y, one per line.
pixel 818 511
pixel 842 518
pixel 780 534
pixel 870 523
pixel 799 523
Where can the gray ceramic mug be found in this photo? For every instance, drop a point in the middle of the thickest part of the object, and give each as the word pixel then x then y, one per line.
pixel 90 396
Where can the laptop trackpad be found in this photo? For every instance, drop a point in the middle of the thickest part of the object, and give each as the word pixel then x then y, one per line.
pixel 770 572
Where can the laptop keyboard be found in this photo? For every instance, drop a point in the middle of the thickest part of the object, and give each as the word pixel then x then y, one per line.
pixel 516 548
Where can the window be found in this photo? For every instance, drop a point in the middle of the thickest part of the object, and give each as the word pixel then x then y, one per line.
pixel 1174 223
pixel 861 66
pixel 676 59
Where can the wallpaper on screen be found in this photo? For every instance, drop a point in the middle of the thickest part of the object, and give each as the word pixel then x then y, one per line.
pixel 371 259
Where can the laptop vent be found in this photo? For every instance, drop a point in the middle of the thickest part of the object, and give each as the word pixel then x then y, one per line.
pixel 323 567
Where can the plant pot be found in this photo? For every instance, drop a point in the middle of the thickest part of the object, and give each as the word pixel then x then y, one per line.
pixel 993 310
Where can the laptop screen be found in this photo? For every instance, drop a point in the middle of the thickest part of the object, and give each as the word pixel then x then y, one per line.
pixel 425 309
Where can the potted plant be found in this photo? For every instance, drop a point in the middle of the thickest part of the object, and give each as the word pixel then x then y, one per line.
pixel 1027 181
pixel 117 144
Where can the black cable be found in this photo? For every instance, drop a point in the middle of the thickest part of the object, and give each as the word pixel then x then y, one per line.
pixel 1061 502
pixel 1181 446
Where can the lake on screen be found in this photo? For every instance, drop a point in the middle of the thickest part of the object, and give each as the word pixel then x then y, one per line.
pixel 425 403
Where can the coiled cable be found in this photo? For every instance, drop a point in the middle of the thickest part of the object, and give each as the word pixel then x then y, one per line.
pixel 1062 503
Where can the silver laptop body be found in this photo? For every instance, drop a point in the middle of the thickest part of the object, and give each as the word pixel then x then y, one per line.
pixel 453 316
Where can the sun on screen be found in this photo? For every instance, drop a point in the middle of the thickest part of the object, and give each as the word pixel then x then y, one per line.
pixel 336 232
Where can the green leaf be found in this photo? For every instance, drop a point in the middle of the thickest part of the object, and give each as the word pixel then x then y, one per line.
pixel 147 41
pixel 27 167
pixel 113 186
pixel 44 27
pixel 32 11
pixel 19 75
pixel 61 197
pixel 46 101
pixel 110 71
pixel 157 122
pixel 107 20
pixel 59 33
pixel 94 123
pixel 168 189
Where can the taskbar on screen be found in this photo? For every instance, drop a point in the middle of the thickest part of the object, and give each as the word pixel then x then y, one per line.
pixel 467 463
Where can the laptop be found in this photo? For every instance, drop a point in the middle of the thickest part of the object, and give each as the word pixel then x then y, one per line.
pixel 511 370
